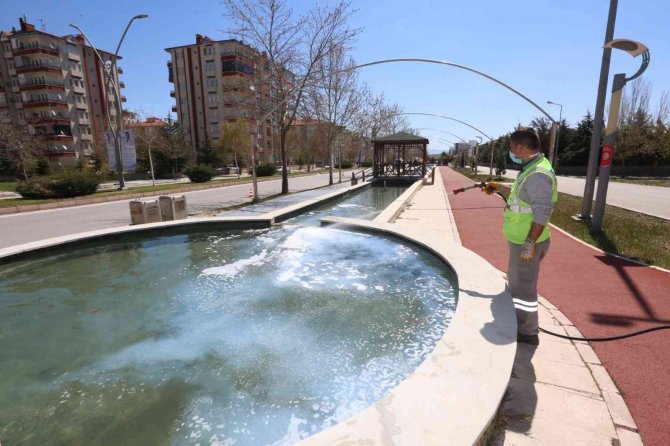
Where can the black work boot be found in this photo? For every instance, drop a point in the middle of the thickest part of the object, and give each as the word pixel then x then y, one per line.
pixel 528 339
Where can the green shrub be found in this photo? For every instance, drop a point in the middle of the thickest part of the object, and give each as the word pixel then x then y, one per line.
pixel 346 165
pixel 65 184
pixel 266 170
pixel 200 173
pixel 34 189
pixel 69 183
pixel 42 167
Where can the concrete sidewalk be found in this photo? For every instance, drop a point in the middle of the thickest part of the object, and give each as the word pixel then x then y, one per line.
pixel 650 200
pixel 559 393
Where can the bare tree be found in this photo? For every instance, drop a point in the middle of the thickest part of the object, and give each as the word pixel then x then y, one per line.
pixel 235 141
pixel 293 47
pixel 335 98
pixel 634 126
pixel 17 148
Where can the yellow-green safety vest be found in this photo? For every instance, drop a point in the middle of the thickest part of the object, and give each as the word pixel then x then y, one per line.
pixel 518 213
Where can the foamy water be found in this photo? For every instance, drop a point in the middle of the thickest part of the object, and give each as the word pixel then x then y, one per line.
pixel 238 338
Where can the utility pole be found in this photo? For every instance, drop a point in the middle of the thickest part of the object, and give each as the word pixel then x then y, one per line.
pixel 592 167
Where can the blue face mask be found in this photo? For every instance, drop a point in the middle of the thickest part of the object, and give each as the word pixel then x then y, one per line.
pixel 515 159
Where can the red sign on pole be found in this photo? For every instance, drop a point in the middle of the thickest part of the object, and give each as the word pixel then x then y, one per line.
pixel 606 158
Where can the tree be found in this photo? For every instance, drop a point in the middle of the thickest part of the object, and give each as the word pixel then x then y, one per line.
pixel 336 99
pixel 634 125
pixel 148 139
pixel 576 152
pixel 293 47
pixel 18 149
pixel 176 151
pixel 235 142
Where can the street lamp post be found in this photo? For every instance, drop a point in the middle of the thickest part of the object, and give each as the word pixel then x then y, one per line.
pixel 634 49
pixel 558 133
pixel 476 163
pixel 108 71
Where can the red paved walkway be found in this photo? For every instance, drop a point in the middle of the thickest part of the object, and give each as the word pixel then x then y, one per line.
pixel 600 294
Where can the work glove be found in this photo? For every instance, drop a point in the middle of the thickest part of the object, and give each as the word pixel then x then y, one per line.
pixel 490 188
pixel 527 251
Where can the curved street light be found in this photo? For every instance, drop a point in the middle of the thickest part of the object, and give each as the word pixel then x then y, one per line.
pixel 558 133
pixel 443 131
pixel 108 71
pixel 634 49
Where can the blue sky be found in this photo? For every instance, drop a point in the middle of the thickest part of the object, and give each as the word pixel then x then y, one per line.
pixel 548 49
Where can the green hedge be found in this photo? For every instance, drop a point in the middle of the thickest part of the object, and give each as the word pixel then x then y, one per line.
pixel 346 165
pixel 66 184
pixel 266 170
pixel 200 173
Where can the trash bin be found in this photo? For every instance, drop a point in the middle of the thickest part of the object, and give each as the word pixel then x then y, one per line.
pixel 173 208
pixel 142 212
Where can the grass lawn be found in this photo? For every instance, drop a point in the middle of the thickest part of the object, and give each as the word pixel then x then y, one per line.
pixel 173 188
pixel 626 233
pixel 7 186
pixel 646 181
pixel 483 177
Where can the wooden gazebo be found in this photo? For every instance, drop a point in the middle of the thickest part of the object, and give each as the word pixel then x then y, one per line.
pixel 400 155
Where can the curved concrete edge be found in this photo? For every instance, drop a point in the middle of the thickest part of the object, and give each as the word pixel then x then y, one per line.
pixel 394 209
pixel 11 253
pixel 453 395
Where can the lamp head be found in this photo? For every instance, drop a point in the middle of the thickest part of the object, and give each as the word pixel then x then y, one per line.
pixel 630 46
pixel 141 16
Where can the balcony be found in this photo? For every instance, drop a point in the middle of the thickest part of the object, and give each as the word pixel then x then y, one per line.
pixel 123 99
pixel 37 49
pixel 42 84
pixel 54 137
pixel 58 120
pixel 86 137
pixel 73 56
pixel 172 93
pixel 122 84
pixel 119 70
pixel 174 108
pixel 48 102
pixel 38 66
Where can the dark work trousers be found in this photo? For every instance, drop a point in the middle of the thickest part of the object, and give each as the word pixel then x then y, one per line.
pixel 522 280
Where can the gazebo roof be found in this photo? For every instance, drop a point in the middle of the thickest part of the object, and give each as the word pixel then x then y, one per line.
pixel 402 138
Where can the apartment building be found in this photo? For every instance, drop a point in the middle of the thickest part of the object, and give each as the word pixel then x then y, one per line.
pixel 53 87
pixel 217 81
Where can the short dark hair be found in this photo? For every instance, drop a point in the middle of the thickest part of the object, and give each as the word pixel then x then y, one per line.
pixel 525 137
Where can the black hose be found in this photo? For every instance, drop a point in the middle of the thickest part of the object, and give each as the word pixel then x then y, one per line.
pixel 607 338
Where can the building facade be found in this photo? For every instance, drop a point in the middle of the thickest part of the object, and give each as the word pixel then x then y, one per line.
pixel 217 81
pixel 53 87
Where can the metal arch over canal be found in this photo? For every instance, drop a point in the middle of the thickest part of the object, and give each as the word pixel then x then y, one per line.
pixel 463 67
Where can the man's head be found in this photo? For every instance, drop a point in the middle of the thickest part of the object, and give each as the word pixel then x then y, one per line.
pixel 524 143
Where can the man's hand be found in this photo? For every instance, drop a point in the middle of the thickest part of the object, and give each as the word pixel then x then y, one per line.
pixel 527 251
pixel 490 188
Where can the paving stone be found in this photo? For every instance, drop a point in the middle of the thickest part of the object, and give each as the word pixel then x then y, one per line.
pixel 563 319
pixel 545 412
pixel 618 410
pixel 628 438
pixel 588 354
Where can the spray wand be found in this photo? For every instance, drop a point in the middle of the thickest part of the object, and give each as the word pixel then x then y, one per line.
pixel 489 188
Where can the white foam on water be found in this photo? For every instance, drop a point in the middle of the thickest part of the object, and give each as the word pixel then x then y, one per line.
pixel 233 269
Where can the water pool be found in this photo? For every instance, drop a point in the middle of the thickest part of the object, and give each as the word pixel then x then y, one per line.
pixel 243 337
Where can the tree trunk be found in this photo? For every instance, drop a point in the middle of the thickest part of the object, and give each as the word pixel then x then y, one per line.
pixel 330 165
pixel 237 166
pixel 284 174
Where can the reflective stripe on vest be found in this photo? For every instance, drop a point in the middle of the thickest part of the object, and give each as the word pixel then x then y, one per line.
pixel 518 213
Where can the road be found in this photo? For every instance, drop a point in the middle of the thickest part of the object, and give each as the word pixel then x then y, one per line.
pixel 33 226
pixel 650 200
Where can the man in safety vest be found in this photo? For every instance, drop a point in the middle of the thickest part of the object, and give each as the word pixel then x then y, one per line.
pixel 526 228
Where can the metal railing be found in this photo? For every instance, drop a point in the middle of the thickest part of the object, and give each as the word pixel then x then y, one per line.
pixel 36 82
pixel 38 64
pixel 51 100
pixel 34 46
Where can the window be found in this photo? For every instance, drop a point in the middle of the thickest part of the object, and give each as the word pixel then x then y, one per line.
pixel 212 98
pixel 209 66
pixel 213 115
